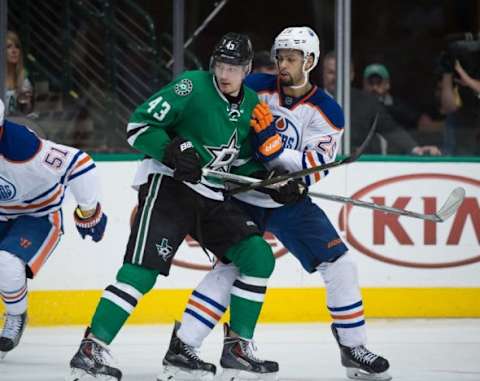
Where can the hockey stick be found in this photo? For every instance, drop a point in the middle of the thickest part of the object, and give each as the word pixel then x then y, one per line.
pixel 308 171
pixel 447 210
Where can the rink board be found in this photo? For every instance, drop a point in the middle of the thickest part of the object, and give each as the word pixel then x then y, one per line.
pixel 407 267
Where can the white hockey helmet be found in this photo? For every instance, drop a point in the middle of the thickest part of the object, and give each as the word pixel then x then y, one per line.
pixel 300 38
pixel 2 111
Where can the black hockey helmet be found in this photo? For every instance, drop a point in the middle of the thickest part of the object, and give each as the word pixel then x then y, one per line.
pixel 234 49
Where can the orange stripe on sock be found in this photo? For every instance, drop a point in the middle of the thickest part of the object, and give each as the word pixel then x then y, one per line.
pixel 204 309
pixel 345 317
pixel 15 296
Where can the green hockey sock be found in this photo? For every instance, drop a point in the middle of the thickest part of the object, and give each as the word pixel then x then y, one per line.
pixel 254 258
pixel 119 300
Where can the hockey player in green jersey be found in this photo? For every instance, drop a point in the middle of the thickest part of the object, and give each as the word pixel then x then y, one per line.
pixel 200 120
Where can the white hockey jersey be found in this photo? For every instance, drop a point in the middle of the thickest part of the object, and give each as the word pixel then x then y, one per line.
pixel 311 128
pixel 34 174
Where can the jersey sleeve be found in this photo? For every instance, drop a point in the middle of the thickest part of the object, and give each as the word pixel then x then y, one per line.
pixel 320 143
pixel 84 183
pixel 149 126
pixel 80 176
pixel 71 168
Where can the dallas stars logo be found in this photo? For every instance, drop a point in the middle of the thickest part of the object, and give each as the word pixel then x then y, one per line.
pixel 224 156
pixel 164 249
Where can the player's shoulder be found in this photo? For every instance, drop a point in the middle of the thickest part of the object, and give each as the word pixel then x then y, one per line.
pixel 328 107
pixel 195 75
pixel 250 94
pixel 18 143
pixel 261 82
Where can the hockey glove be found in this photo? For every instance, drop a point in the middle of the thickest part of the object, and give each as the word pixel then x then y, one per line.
pixel 262 117
pixel 266 141
pixel 93 226
pixel 184 159
pixel 292 191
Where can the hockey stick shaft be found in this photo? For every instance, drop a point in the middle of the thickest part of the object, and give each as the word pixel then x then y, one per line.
pixel 449 208
pixel 309 171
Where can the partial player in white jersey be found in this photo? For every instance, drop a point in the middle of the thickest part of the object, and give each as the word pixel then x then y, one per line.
pixel 34 174
pixel 311 124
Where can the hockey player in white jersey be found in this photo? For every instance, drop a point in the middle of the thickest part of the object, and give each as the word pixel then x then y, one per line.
pixel 34 174
pixel 311 124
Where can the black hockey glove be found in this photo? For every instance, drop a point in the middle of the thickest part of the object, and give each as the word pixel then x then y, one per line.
pixel 184 159
pixel 292 191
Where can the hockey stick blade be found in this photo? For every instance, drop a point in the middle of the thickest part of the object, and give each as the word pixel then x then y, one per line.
pixel 450 206
pixel 447 210
pixel 307 171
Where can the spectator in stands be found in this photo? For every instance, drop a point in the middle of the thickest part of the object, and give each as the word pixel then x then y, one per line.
pixel 263 63
pixel 376 81
pixel 392 137
pixel 461 100
pixel 18 88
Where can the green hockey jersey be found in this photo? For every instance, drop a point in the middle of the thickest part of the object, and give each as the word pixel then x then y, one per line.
pixel 194 108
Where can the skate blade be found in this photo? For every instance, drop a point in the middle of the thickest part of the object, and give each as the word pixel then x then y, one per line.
pixel 240 375
pixel 359 374
pixel 172 373
pixel 2 355
pixel 81 375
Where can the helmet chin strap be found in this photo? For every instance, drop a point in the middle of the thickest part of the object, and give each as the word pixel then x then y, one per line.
pixel 306 76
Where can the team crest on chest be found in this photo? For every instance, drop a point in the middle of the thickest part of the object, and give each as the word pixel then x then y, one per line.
pixel 7 190
pixel 225 155
pixel 288 131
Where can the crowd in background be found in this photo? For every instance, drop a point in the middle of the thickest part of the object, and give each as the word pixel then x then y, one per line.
pixel 451 126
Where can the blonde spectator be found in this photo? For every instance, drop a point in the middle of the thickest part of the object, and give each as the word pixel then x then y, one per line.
pixel 18 88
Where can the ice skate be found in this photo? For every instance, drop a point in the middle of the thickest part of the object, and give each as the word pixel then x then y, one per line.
pixel 13 328
pixel 238 360
pixel 93 362
pixel 361 364
pixel 182 362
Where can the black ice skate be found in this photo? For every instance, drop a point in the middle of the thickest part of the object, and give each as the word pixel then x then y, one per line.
pixel 237 358
pixel 13 328
pixel 182 362
pixel 361 364
pixel 93 360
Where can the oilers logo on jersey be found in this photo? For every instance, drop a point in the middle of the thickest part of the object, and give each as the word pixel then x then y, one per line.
pixel 7 190
pixel 287 130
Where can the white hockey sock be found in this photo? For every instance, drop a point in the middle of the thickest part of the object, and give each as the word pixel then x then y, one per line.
pixel 207 304
pixel 13 283
pixel 344 300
